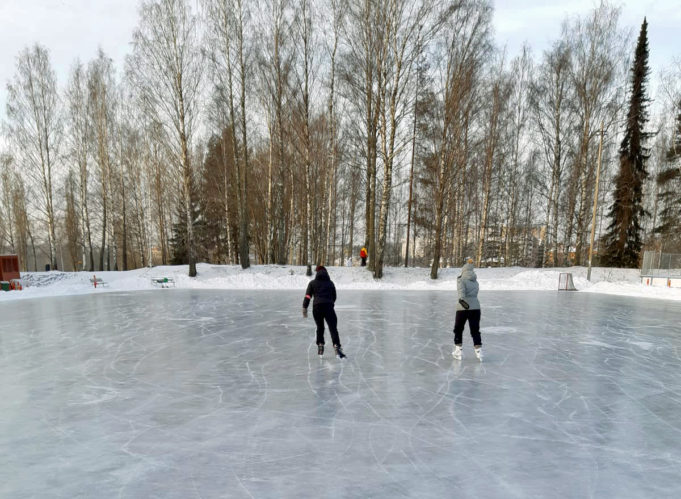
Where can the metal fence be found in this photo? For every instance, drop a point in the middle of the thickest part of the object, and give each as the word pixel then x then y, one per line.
pixel 655 264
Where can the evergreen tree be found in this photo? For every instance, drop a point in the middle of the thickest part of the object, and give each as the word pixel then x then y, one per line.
pixel 218 201
pixel 623 239
pixel 178 241
pixel 669 180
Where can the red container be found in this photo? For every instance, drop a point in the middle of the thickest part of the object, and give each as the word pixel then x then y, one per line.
pixel 9 267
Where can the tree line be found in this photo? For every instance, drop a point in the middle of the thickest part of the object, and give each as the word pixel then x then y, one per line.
pixel 296 131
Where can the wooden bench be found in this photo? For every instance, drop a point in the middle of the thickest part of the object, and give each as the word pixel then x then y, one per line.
pixel 164 282
pixel 97 281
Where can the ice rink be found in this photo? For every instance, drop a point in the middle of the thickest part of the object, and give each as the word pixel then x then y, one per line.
pixel 203 394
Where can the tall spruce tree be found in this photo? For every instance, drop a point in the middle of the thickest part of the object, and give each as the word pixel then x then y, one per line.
pixel 179 238
pixel 669 182
pixel 623 239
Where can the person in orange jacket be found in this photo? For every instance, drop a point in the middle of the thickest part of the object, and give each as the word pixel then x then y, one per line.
pixel 363 255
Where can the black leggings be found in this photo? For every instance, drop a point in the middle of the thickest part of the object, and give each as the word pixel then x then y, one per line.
pixel 473 318
pixel 321 312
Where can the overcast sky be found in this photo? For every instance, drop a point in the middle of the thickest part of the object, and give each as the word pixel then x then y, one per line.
pixel 76 28
pixel 539 21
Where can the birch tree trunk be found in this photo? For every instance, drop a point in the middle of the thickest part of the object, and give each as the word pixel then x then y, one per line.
pixel 401 47
pixel 244 216
pixel 76 95
pixel 168 70
pixel 488 168
pixel 35 126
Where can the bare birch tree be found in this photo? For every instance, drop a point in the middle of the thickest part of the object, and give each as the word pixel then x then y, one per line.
pixel 226 22
pixel 597 50
pixel 362 73
pixel 7 215
pixel 305 36
pixel 521 69
pixel 72 220
pixel 78 143
pixel 465 43
pixel 552 119
pixel 168 70
pixel 403 38
pixel 35 127
pixel 275 61
pixel 18 233
pixel 336 21
pixel 101 110
pixel 497 97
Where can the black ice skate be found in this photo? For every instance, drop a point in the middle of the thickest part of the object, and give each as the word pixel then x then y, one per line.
pixel 339 352
pixel 320 350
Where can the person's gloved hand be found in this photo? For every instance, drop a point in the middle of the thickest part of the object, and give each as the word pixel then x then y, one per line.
pixel 305 313
pixel 464 303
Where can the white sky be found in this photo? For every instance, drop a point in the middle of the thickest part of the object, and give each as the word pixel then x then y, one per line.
pixel 76 28
pixel 70 29
pixel 539 21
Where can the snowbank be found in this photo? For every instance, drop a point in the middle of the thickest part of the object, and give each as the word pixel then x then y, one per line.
pixel 287 277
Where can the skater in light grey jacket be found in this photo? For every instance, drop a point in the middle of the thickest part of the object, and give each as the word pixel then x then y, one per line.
pixel 467 310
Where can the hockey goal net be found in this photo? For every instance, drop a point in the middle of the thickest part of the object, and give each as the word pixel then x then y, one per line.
pixel 565 282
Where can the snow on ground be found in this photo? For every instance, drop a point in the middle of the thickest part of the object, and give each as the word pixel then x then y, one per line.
pixel 289 277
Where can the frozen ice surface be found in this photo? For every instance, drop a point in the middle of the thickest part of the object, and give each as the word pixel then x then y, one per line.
pixel 194 393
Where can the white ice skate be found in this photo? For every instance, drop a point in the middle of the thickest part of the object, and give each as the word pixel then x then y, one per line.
pixel 478 354
pixel 457 353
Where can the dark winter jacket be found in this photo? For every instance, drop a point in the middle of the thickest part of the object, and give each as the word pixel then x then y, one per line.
pixel 322 288
pixel 467 288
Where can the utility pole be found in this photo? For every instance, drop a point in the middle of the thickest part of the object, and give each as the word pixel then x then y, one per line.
pixel 593 215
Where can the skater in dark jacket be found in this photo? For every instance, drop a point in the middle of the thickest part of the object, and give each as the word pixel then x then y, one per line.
pixel 467 309
pixel 324 293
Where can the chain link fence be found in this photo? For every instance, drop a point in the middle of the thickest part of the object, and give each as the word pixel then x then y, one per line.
pixel 661 265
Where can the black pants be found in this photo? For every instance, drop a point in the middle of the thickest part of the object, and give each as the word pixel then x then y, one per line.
pixel 364 261
pixel 321 312
pixel 473 318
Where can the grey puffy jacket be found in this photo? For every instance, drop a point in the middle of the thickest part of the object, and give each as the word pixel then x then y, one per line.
pixel 467 288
